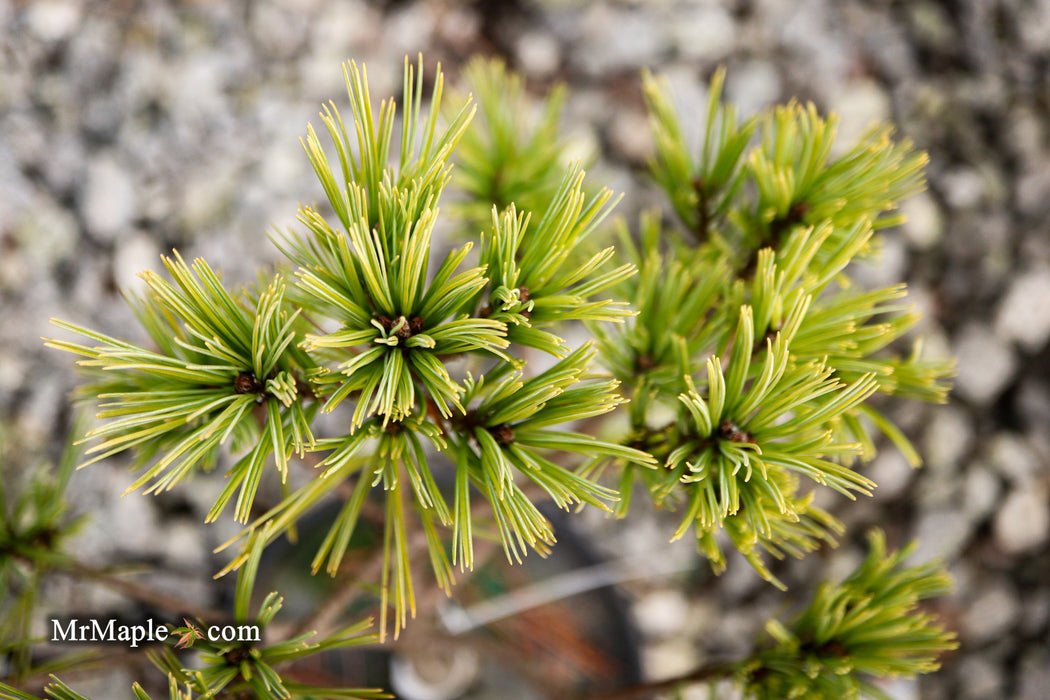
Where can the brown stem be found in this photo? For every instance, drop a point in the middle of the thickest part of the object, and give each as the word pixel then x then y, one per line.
pixel 434 413
pixel 36 681
pixel 142 593
pixel 697 675
pixel 325 618
pixel 702 213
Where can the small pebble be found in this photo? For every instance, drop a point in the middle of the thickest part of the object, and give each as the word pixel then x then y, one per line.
pixel 982 492
pixel 980 679
pixel 1023 520
pixel 617 39
pixel 138 253
pixel 1024 313
pixel 991 615
pixel 985 363
pixel 946 440
pixel 941 534
pixel 1014 458
pixel 924 226
pixel 662 613
pixel 538 53
pixel 704 33
pixel 109 203
pixel 53 20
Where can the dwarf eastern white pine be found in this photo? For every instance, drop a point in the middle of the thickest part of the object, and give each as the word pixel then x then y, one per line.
pixel 728 337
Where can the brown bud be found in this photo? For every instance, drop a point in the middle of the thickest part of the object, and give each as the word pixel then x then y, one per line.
pixel 503 433
pixel 245 383
pixel 728 430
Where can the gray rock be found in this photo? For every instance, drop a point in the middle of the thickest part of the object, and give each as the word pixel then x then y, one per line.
pixel 947 439
pixel 281 168
pixel 964 188
pixel 53 20
pixel 689 94
pixel 198 105
pixel 991 615
pixel 981 492
pixel 65 162
pixel 841 563
pixel 964 574
pixel 617 39
pixel 38 413
pixel 14 273
pixel 1031 193
pixel 752 87
pixel 980 679
pixel 1026 135
pixel 891 472
pixel 1024 313
pixel 91 57
pixel 184 545
pixel 458 27
pixel 941 534
pixel 131 257
pixel 207 195
pixel 110 200
pixel 859 105
pixel 661 613
pixel 630 135
pixel 12 371
pixel 1023 520
pixel 48 233
pixel 338 26
pixel 888 43
pixel 985 362
pixel 931 24
pixel 739 581
pixel 406 30
pixel 538 53
pixel 1034 25
pixel 24 143
pixel 1014 458
pixel 1036 612
pixel 1033 405
pixel 703 33
pixel 670 658
pixel 734 633
pixel 886 268
pixel 281 31
pixel 924 226
pixel 130 524
pixel 105 682
pixel 900 688
pixel 101 117
pixel 1034 675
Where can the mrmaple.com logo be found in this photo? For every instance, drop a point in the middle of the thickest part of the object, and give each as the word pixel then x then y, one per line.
pixel 95 631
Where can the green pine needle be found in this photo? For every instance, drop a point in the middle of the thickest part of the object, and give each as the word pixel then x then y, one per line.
pixel 865 627
pixel 219 361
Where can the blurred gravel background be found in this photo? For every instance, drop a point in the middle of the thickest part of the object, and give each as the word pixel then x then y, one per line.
pixel 128 127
